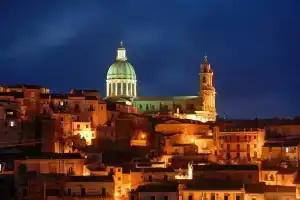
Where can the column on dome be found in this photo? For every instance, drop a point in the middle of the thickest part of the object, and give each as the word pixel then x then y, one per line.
pixel 133 90
pixel 107 89
pixel 126 88
pixel 116 88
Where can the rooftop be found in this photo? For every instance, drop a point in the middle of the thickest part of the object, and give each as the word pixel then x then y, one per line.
pixel 211 184
pixel 90 179
pixel 214 167
pixel 158 187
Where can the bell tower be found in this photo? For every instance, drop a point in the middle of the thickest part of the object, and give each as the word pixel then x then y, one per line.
pixel 207 89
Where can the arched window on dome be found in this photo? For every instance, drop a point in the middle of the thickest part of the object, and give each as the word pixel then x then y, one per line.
pixel 129 88
pixel 124 88
pixel 119 88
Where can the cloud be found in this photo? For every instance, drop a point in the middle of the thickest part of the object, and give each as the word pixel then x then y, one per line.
pixel 58 30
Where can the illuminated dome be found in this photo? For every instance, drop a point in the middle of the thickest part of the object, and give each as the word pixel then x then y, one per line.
pixel 121 77
pixel 121 70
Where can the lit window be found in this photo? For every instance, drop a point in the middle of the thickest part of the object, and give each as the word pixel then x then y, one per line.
pixel 286 149
pixel 12 124
pixel 61 103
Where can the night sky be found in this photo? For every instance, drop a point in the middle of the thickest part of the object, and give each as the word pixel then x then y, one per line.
pixel 252 45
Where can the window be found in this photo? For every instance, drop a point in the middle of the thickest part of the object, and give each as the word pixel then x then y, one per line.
pixel 119 169
pixel 254 137
pixel 212 196
pixel 228 155
pixel 165 177
pixel 152 197
pixel 76 107
pixel 190 197
pixel 69 192
pixel 83 192
pixel 255 145
pixel 150 178
pixel 266 177
pixel 11 123
pixel 86 126
pixel 91 108
pixel 238 138
pixel 103 192
pixel 131 197
pixel 61 103
pixel 226 197
pixel 204 80
pixel 119 88
pixel 25 192
pixel 166 198
pixel 228 146
pixel 270 149
pixel 78 126
pixel 119 178
pixel 237 197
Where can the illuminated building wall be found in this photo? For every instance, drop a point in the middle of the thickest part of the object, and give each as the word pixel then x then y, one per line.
pixel 85 130
pixel 239 143
pixel 284 151
pixel 10 122
pixel 199 108
pixel 59 163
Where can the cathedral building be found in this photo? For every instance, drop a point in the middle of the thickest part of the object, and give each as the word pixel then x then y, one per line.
pixel 121 86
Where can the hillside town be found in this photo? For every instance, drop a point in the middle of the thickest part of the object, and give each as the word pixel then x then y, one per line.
pixel 89 145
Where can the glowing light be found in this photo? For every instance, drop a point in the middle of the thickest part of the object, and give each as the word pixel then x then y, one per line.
pixel 143 136
pixel 192 140
pixel 12 124
pixel 190 171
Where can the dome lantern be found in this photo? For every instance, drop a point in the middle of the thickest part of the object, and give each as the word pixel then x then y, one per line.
pixel 121 53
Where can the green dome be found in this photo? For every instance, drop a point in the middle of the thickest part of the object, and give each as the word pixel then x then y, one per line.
pixel 121 70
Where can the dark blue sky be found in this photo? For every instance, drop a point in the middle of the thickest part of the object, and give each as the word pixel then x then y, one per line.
pixel 253 46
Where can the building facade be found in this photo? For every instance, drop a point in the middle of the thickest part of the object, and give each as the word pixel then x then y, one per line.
pixel 122 82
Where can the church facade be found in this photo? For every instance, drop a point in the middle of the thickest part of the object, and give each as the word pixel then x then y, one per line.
pixel 121 86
